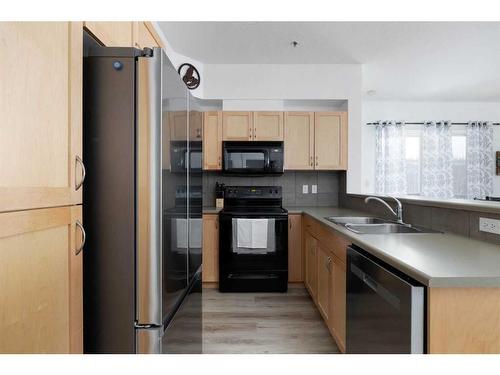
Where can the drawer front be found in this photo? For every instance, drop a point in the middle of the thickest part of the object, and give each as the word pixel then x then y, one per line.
pixel 336 243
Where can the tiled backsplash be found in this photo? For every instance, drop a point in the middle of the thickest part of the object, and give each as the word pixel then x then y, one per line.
pixel 291 182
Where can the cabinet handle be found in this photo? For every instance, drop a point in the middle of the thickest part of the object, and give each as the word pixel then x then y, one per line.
pixel 84 237
pixel 216 224
pixel 79 160
pixel 311 161
pixel 198 133
pixel 218 161
pixel 290 224
pixel 316 160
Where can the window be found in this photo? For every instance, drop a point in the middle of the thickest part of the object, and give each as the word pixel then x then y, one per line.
pixel 412 157
pixel 458 147
pixel 413 149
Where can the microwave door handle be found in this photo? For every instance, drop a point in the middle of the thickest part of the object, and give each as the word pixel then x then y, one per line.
pixel 267 165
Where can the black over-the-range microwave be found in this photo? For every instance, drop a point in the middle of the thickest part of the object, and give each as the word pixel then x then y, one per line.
pixel 252 158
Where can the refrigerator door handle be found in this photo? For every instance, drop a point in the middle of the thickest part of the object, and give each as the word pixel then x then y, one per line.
pixel 148 193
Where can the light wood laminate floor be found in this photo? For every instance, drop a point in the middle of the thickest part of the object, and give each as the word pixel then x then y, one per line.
pixel 263 323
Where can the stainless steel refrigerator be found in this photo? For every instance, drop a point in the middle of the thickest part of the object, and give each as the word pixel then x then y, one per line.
pixel 142 205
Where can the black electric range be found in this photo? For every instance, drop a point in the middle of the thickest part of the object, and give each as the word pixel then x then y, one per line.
pixel 253 240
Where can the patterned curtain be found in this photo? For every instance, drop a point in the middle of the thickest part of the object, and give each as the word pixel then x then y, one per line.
pixel 480 163
pixel 390 165
pixel 437 160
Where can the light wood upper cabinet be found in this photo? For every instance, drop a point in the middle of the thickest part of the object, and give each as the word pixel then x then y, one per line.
pixel 324 281
pixel 315 140
pixel 267 126
pixel 142 36
pixel 212 140
pixel 195 125
pixel 237 126
pixel 178 125
pixel 295 248
pixel 41 107
pixel 299 140
pixel 41 281
pixel 112 34
pixel 210 248
pixel 311 266
pixel 330 140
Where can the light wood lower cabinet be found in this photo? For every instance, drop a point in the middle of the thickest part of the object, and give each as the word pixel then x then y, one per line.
pixel 112 34
pixel 463 320
pixel 295 248
pixel 324 281
pixel 210 254
pixel 41 281
pixel 337 301
pixel 41 107
pixel 326 275
pixel 311 266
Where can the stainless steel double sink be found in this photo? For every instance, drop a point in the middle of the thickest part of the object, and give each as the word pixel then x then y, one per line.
pixel 375 225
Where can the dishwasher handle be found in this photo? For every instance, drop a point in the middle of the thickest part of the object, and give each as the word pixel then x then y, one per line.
pixel 384 293
pixel 370 282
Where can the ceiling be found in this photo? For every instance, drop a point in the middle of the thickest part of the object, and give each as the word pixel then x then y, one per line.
pixel 400 60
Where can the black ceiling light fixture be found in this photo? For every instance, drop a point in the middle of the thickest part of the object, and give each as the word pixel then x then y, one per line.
pixel 189 75
pixel 294 43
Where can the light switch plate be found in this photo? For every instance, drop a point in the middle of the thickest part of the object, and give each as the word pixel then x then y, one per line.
pixel 305 189
pixel 489 225
pixel 314 189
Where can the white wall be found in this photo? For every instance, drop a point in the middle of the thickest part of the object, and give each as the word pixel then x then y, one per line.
pixel 243 86
pixel 177 59
pixel 374 110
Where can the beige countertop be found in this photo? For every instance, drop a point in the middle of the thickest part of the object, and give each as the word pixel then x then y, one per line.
pixel 434 259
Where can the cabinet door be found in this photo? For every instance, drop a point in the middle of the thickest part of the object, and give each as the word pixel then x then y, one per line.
pixel 212 140
pixel 299 140
pixel 41 107
pixel 40 281
pixel 143 37
pixel 324 280
pixel 295 248
pixel 195 125
pixel 268 126
pixel 76 282
pixel 178 125
pixel 112 34
pixel 210 248
pixel 337 322
pixel 237 126
pixel 330 140
pixel 311 264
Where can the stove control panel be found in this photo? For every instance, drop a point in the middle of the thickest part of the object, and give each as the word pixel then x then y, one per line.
pixel 256 192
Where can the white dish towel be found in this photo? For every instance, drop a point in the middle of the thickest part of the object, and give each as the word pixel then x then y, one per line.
pixel 252 233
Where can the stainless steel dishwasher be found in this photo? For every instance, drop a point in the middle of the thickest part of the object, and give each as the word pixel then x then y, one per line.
pixel 385 308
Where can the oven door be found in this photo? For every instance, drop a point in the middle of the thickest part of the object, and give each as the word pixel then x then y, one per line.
pixel 243 267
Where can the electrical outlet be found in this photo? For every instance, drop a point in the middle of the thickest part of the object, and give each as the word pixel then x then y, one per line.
pixel 489 225
pixel 314 189
pixel 305 189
